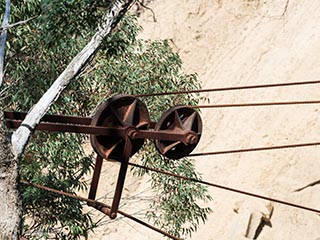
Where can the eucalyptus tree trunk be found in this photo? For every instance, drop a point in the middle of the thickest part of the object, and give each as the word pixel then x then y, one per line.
pixel 10 201
pixel 10 204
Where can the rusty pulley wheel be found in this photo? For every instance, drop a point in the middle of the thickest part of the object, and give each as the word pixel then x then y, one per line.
pixel 119 112
pixel 178 119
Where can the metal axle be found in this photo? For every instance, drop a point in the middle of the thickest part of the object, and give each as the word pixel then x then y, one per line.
pixel 185 136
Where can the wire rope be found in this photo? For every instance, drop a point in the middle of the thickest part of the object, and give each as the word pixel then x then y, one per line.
pixel 270 85
pixel 256 104
pixel 93 202
pixel 311 144
pixel 227 188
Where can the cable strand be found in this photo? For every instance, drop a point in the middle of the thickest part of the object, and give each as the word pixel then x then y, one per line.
pixel 96 203
pixel 255 149
pixel 255 104
pixel 229 88
pixel 227 188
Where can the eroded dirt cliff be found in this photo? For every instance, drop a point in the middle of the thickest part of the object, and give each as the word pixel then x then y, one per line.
pixel 234 43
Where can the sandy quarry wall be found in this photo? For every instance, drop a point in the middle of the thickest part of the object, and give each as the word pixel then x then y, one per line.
pixel 233 43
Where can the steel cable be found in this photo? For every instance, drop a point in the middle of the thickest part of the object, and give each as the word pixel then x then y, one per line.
pixel 211 153
pixel 93 202
pixel 230 88
pixel 227 188
pixel 255 104
pixel 255 149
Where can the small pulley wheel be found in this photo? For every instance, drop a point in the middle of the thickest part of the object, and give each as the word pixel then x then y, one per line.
pixel 120 111
pixel 178 119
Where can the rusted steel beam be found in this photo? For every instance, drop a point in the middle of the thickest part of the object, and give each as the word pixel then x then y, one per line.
pixel 121 178
pixel 185 136
pixel 50 118
pixel 95 178
pixel 12 115
pixel 62 127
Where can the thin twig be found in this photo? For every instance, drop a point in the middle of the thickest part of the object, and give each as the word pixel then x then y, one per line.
pixel 285 8
pixel 7 26
pixel 148 8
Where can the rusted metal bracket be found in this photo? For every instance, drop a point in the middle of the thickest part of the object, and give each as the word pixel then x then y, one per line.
pixel 118 130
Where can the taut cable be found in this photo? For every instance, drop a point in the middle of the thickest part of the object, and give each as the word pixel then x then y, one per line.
pixel 255 104
pixel 100 204
pixel 230 88
pixel 255 149
pixel 227 188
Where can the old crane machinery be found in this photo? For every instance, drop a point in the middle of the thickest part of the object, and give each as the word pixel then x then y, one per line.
pixel 118 130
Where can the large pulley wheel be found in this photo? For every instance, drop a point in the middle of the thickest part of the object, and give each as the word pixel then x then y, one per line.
pixel 119 111
pixel 178 119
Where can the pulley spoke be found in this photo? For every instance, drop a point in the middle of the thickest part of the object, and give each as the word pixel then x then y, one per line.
pixel 129 115
pixel 115 114
pixel 188 121
pixel 177 121
pixel 169 147
pixel 142 125
pixel 109 150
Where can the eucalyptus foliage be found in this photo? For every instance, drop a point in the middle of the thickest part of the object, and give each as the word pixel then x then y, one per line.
pixel 37 52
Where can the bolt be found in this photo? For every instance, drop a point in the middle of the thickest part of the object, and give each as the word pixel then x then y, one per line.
pixel 113 215
pixel 191 139
pixel 132 133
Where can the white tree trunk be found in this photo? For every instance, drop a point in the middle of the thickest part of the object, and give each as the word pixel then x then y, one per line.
pixel 22 134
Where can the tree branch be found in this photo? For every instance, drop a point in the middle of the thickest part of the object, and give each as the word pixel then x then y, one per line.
pixel 142 4
pixel 5 27
pixel 21 136
pixel 3 38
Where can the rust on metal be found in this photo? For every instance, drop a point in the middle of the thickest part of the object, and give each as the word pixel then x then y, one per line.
pixel 118 130
pixel 19 116
pixel 72 128
pixel 121 177
pixel 256 104
pixel 179 119
pixel 270 85
pixel 297 145
pixel 120 111
pixel 50 118
pixel 95 178
pixel 99 206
